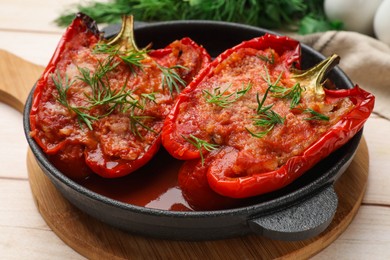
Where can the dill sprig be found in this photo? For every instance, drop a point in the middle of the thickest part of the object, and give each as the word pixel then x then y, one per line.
pixel 131 57
pixel 149 96
pixel 293 93
pixel 171 79
pixel 200 144
pixel 270 60
pixel 98 81
pixel 137 120
pixel 267 78
pixel 220 98
pixel 102 93
pixel 62 86
pixel 265 116
pixel 315 115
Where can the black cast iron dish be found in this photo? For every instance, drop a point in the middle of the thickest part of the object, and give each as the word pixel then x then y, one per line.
pixel 300 211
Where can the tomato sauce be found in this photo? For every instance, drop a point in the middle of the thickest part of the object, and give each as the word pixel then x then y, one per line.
pixel 154 185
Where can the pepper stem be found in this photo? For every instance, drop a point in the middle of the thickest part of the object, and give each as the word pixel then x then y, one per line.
pixel 313 78
pixel 125 37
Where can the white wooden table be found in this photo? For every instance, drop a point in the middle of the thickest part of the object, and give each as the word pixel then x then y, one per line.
pixel 27 30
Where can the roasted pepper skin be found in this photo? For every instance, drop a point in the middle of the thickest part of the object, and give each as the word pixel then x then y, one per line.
pixel 334 138
pixel 283 45
pixel 75 161
pixel 71 160
pixel 210 177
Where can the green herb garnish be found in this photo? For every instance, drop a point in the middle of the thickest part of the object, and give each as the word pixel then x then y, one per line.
pixel 293 93
pixel 267 78
pixel 221 98
pixel 200 145
pixel 149 97
pixel 171 79
pixel 62 86
pixel 315 115
pixel 137 120
pixel 103 95
pixel 265 117
pixel 270 60
pixel 131 57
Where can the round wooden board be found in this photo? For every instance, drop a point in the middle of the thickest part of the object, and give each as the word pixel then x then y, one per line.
pixel 94 239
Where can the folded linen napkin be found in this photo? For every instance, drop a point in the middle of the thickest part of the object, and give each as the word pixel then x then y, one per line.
pixel 364 59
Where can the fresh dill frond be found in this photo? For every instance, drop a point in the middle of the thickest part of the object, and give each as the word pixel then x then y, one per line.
pixel 315 115
pixel 293 93
pixel 200 144
pixel 171 79
pixel 138 120
pixel 131 57
pixel 259 134
pixel 102 94
pixel 101 47
pixel 269 118
pixel 270 60
pixel 149 97
pixel 267 78
pixel 221 98
pixel 83 116
pixel 265 116
pixel 260 103
pixel 62 86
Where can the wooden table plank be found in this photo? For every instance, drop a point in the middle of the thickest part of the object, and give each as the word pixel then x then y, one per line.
pixel 35 47
pixel 376 131
pixel 23 232
pixel 366 238
pixel 35 16
pixel 13 144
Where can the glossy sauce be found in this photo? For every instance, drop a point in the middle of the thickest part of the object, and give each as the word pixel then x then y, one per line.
pixel 153 186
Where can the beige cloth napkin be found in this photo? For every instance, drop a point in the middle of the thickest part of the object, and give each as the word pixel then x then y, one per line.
pixel 364 59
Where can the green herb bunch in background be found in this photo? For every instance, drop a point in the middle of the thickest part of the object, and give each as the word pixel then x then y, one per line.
pixel 302 16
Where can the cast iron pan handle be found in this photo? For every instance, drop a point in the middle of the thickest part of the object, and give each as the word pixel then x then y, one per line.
pixel 301 221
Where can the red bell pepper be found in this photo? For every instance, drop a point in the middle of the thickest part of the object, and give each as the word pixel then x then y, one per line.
pixel 100 104
pixel 279 135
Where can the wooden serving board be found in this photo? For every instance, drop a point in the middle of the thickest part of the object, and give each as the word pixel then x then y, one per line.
pixel 94 239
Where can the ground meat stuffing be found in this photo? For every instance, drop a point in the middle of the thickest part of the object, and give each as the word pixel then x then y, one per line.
pixel 262 147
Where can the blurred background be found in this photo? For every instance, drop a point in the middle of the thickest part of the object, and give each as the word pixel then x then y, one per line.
pixel 300 16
